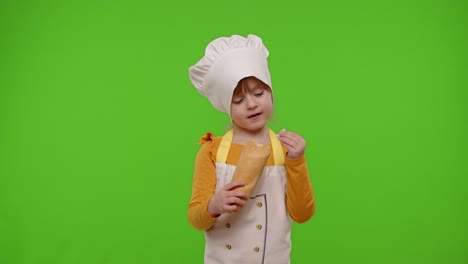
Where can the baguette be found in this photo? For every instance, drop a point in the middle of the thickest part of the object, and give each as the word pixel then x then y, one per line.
pixel 251 162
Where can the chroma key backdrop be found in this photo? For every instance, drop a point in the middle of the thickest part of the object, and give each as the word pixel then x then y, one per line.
pixel 99 126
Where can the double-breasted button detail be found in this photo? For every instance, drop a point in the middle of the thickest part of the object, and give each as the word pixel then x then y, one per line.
pixel 228 246
pixel 256 249
pixel 259 204
pixel 259 226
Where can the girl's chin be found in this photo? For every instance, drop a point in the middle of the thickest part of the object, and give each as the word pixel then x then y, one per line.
pixel 251 128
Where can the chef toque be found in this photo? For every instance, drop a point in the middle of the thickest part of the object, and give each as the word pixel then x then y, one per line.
pixel 228 60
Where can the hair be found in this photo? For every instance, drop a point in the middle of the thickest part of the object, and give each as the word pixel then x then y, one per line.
pixel 243 86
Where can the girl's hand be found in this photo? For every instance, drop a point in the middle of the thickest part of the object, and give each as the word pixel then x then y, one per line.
pixel 293 142
pixel 227 199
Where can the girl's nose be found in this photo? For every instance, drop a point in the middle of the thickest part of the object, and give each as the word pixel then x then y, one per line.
pixel 251 102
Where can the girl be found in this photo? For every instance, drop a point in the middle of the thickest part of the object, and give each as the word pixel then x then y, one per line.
pixel 239 228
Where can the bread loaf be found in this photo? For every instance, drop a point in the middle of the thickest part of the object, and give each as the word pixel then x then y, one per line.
pixel 251 162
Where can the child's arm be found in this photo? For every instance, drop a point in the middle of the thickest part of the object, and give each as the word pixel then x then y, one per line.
pixel 300 198
pixel 203 188
pixel 205 206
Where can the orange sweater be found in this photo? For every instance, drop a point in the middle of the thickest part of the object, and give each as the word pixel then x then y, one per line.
pixel 300 200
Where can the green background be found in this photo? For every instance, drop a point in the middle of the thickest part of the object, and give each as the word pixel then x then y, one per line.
pixel 99 126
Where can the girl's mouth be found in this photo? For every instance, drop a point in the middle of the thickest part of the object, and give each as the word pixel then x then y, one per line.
pixel 254 115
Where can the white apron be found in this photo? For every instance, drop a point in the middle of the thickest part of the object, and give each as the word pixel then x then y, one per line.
pixel 260 232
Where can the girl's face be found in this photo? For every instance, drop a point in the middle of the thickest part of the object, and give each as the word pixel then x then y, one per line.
pixel 251 104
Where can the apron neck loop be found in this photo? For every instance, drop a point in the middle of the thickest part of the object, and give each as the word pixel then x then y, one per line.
pixel 225 144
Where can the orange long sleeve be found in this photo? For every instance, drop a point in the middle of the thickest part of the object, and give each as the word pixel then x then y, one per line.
pixel 299 193
pixel 300 199
pixel 203 188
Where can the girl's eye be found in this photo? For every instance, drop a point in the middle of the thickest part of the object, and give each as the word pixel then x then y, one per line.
pixel 259 94
pixel 238 101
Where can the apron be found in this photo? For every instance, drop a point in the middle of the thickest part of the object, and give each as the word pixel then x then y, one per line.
pixel 260 232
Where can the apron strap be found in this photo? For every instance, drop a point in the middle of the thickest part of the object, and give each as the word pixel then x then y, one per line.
pixel 225 144
pixel 277 149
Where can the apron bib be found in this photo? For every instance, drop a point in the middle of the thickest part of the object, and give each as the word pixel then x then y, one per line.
pixel 260 231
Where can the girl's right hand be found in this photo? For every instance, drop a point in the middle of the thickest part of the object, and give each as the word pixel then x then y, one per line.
pixel 227 199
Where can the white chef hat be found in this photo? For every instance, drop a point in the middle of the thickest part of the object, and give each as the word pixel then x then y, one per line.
pixel 228 60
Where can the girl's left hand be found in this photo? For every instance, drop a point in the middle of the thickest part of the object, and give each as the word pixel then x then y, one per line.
pixel 293 142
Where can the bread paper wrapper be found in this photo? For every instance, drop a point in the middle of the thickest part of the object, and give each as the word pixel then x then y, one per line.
pixel 251 162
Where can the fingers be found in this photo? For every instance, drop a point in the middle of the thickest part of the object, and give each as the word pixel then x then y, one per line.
pixel 287 142
pixel 232 199
pixel 230 208
pixel 232 204
pixel 290 136
pixel 233 185
pixel 293 142
pixel 230 189
pixel 235 201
